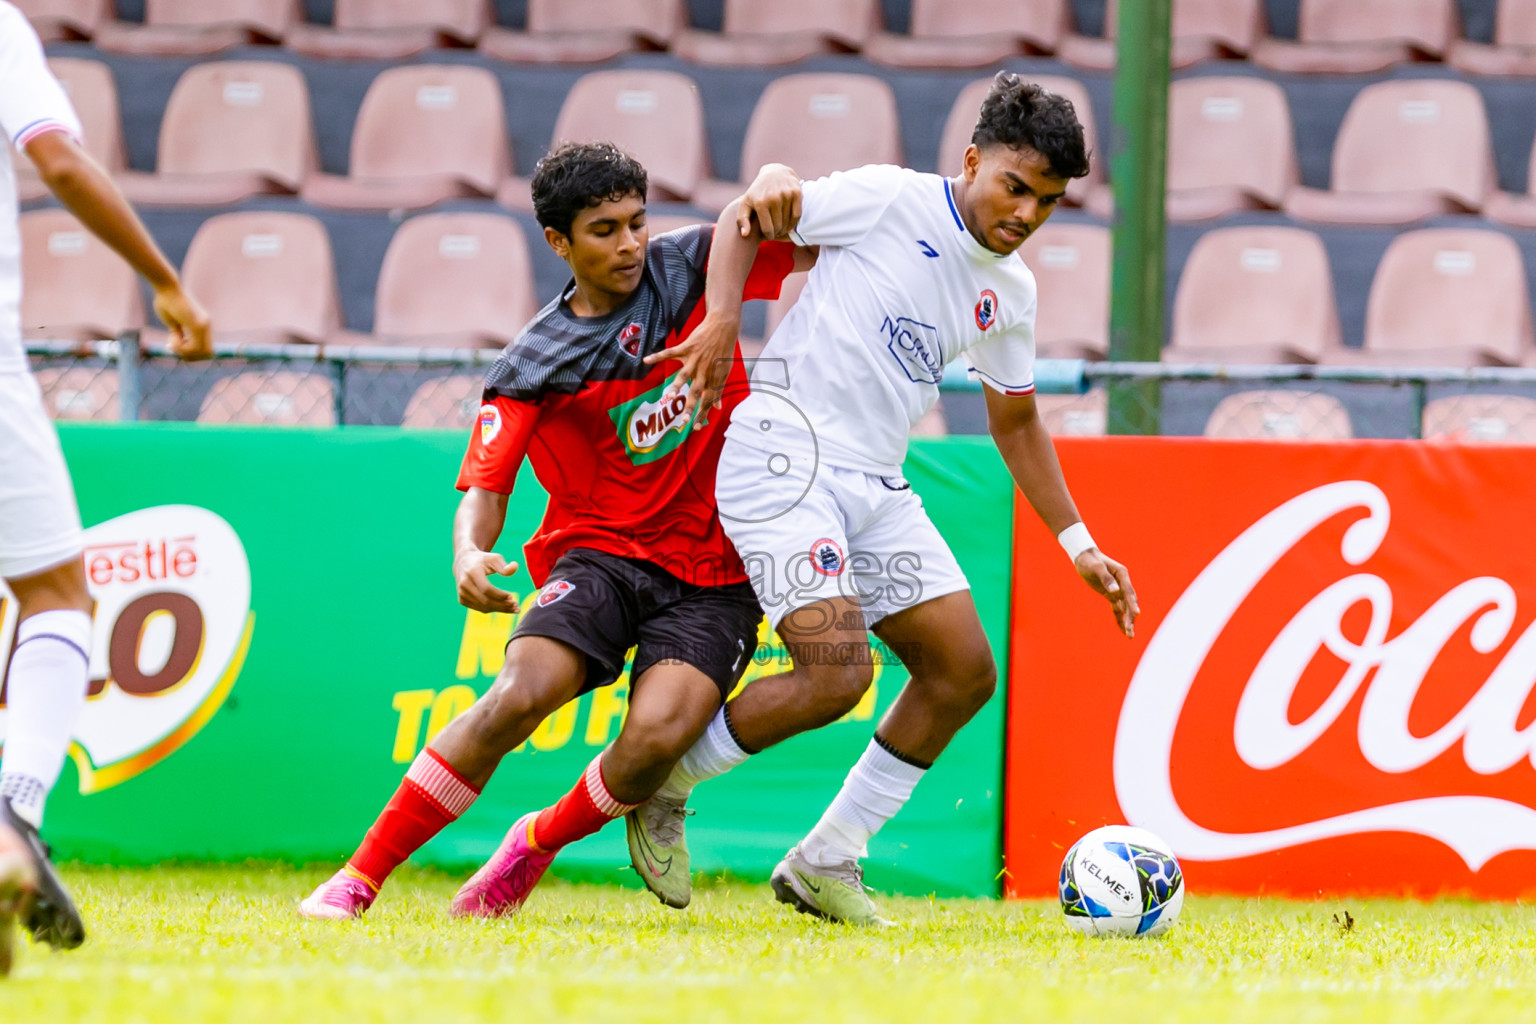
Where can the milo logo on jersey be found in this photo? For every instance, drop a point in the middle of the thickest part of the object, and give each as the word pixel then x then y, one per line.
pixel 652 425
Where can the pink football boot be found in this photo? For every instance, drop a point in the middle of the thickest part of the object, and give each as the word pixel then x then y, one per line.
pixel 341 897
pixel 503 884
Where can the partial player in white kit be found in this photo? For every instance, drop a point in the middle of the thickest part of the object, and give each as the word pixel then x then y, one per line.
pixel 914 272
pixel 40 535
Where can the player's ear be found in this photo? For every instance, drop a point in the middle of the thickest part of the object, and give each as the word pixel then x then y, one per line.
pixel 558 242
pixel 972 162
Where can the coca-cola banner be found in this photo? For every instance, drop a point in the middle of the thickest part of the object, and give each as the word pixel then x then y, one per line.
pixel 1330 688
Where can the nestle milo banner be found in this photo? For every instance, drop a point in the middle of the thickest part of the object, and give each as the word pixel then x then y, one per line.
pixel 277 637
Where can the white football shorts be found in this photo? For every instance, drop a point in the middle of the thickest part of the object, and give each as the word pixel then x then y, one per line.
pixel 39 520
pixel 833 532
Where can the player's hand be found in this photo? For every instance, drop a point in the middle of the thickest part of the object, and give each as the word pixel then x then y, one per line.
pixel 706 355
pixel 1109 578
pixel 473 571
pixel 774 199
pixel 191 331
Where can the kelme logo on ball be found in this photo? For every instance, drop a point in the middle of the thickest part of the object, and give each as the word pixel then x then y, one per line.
pixel 173 623
pixel 652 425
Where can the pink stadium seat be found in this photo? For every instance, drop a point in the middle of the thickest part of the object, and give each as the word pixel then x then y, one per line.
pixel 201 27
pixel 974 34
pixel 661 223
pixel 64 20
pixel 1515 210
pixel 1255 295
pixel 265 277
pixel 1071 263
pixel 1202 30
pixel 1281 416
pixel 77 288
pixel 817 124
pixel 279 398
pixel 1083 415
pixel 1481 419
pixel 1358 36
pixel 425 133
pixel 455 280
pixel 587 31
pixel 962 121
pixel 1407 150
pixel 1230 147
pixel 451 403
pixel 79 392
pixel 231 129
pixel 655 116
pixel 93 92
pixel 393 29
pixel 1447 297
pixel 782 32
pixel 1514 44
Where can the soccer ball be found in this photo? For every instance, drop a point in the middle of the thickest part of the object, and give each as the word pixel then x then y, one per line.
pixel 1119 880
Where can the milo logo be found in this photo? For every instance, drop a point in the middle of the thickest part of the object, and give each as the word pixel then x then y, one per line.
pixel 652 425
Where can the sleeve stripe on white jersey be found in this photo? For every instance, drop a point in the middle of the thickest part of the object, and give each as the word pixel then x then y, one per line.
pixel 949 197
pixel 41 127
pixel 1007 389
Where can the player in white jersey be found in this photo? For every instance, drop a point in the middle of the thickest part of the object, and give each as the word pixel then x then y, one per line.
pixel 914 271
pixel 40 536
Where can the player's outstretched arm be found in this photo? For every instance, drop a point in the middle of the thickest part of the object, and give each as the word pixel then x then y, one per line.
pixel 85 188
pixel 476 526
pixel 1026 447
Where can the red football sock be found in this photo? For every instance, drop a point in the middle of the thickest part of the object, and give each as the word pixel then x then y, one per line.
pixel 585 809
pixel 430 796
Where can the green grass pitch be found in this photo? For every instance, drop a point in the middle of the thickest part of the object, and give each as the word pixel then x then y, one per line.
pixel 223 943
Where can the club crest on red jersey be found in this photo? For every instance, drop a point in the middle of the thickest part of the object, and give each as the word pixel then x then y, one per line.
pixel 553 592
pixel 827 557
pixel 631 337
pixel 986 310
pixel 490 423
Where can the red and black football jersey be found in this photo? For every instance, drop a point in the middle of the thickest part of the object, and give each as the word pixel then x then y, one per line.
pixel 626 471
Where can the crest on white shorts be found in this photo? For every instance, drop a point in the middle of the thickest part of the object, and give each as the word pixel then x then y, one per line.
pixel 827 557
pixel 553 592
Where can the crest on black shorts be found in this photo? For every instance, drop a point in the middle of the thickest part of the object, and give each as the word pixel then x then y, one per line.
pixel 827 557
pixel 553 592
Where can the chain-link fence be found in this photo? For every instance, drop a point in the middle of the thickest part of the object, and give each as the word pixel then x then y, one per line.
pixel 300 385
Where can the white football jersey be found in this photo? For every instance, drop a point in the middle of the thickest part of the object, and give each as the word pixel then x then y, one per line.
pixel 900 290
pixel 32 102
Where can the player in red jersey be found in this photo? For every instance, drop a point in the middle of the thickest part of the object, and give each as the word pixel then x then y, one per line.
pixel 630 553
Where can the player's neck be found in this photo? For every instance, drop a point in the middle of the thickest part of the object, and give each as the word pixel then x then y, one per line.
pixel 961 194
pixel 584 300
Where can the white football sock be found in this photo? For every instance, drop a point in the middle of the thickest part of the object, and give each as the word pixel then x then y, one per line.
pixel 715 753
pixel 44 698
pixel 877 787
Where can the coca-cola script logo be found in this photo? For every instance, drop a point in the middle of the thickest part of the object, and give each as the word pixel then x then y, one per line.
pixel 1479 612
pixel 173 623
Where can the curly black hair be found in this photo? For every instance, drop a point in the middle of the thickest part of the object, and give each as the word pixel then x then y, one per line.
pixel 1020 114
pixel 577 175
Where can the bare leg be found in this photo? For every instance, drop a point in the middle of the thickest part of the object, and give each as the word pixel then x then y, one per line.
pixel 61 588
pixel 669 707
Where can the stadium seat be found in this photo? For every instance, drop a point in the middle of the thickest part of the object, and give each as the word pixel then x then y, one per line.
pixel 1281 416
pixel 1407 150
pixel 1202 30
pixel 1230 147
pixel 1447 297
pixel 1255 295
pixel 279 398
pixel 1359 36
pixel 655 116
pixel 817 124
pixel 93 92
pixel 66 20
pixel 962 121
pixel 451 402
pixel 264 277
pixel 1071 263
pixel 455 280
pixel 78 392
pixel 425 133
pixel 77 288
pixel 1481 419
pixel 201 27
pixel 972 35
pixel 392 29
pixel 1517 211
pixel 1513 51
pixel 782 32
pixel 231 129
pixel 587 31
pixel 1083 415
pixel 661 223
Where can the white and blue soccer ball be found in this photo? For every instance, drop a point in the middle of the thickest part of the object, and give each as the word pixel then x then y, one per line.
pixel 1119 880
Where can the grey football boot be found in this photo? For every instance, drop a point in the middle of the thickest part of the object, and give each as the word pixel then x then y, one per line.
pixel 658 848
pixel 836 893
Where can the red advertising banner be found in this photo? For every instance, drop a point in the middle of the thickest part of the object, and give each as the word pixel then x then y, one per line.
pixel 1330 689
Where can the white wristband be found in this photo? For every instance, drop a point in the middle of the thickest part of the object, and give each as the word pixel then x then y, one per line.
pixel 1075 540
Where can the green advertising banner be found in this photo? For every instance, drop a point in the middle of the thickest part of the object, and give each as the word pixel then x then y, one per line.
pixel 278 637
